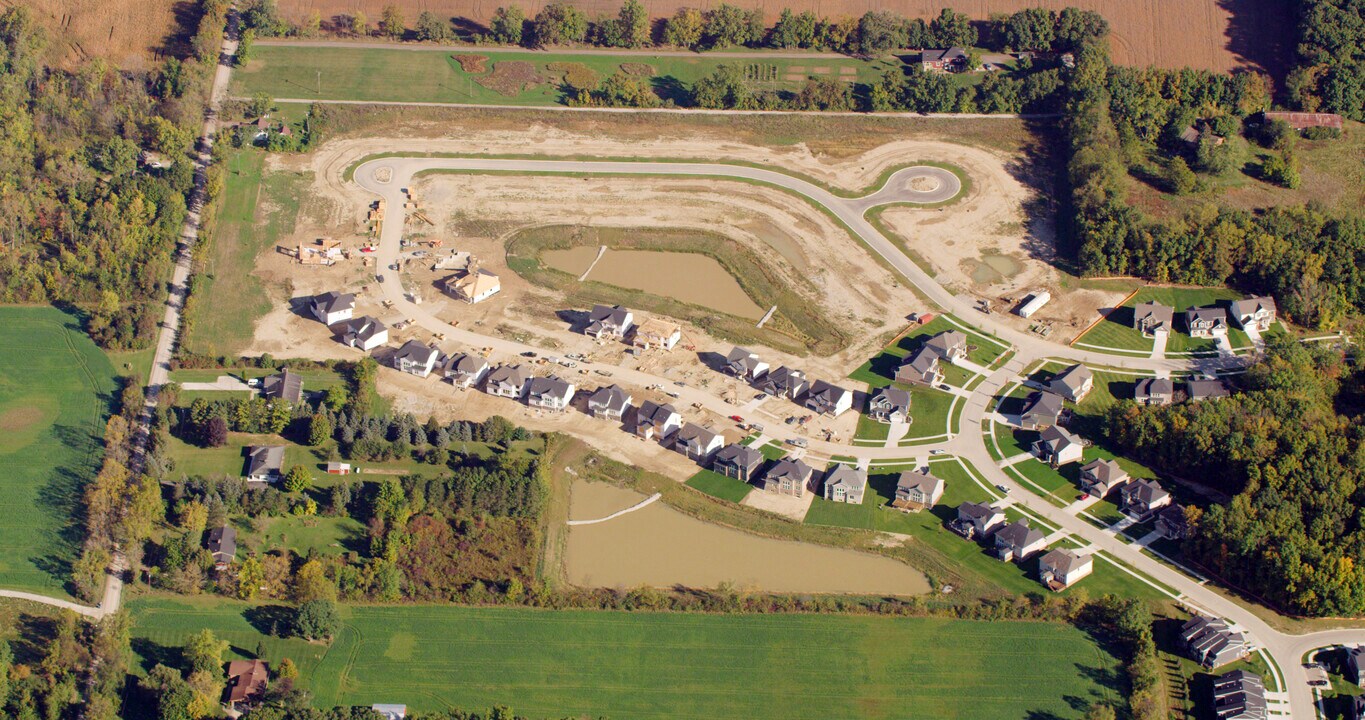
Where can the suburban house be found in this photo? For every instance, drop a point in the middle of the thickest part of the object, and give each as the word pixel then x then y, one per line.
pixel 787 477
pixel 1212 643
pixel 949 345
pixel 246 683
pixel 549 393
pixel 697 442
pixel 1172 523
pixel 845 484
pixel 1017 541
pixel 1154 391
pixel 1150 318
pixel 1041 409
pixel 1073 383
pixel 333 307
pixel 1254 312
pixel 1206 321
pixel 364 333
pixel 744 364
pixel 263 463
pixel 976 520
pixel 415 358
pixel 505 381
pixel 1355 661
pixel 889 405
pixel 285 385
pixel 1211 389
pixel 917 490
pixel 945 60
pixel 472 286
pixel 740 462
pixel 828 399
pixel 784 382
pixel 1057 446
pixel 656 333
pixel 609 322
pixel 1101 477
pixel 1060 569
pixel 656 421
pixel 222 544
pixel 609 402
pixel 1239 695
pixel 465 370
pixel 921 369
pixel 1142 497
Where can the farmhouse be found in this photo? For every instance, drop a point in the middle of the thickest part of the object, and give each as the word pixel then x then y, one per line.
pixel 950 345
pixel 828 399
pixel 1212 643
pixel 1143 497
pixel 472 286
pixel 364 333
pixel 943 59
pixel 549 393
pixel 222 545
pixel 656 333
pixel 889 405
pixel 609 402
pixel 415 358
pixel 738 461
pixel 1060 569
pixel 784 382
pixel 976 520
pixel 845 484
pixel 787 477
pixel 1101 477
pixel 697 442
pixel 1154 391
pixel 921 369
pixel 745 364
pixel 1041 409
pixel 1017 541
pixel 465 370
pixel 1239 695
pixel 1256 313
pixel 1206 321
pixel 656 421
pixel 1073 383
pixel 333 307
pixel 1057 446
pixel 263 463
pixel 1305 120
pixel 609 322
pixel 285 385
pixel 1151 318
pixel 1210 389
pixel 917 490
pixel 506 381
pixel 246 682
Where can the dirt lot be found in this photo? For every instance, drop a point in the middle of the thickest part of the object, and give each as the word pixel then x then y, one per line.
pixel 1207 34
pixel 130 33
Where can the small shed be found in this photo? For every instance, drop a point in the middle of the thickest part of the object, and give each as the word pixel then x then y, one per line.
pixel 338 468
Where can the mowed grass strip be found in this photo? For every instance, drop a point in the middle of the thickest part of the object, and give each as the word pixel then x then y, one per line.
pixel 657 665
pixel 719 486
pixel 55 393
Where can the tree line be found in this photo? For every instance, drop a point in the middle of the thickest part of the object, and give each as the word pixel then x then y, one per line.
pixel 1330 73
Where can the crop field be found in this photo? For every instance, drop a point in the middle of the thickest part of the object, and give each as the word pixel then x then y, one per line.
pixel 130 33
pixel 506 78
pixel 55 391
pixel 1207 34
pixel 657 665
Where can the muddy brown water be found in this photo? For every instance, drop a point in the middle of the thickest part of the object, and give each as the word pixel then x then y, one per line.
pixel 661 547
pixel 688 277
pixel 992 269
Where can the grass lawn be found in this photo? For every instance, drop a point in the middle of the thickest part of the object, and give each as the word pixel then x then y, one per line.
pixel 880 371
pixel 1064 482
pixel 401 75
pixel 716 485
pixel 312 379
pixel 223 315
pixel 325 535
pixel 135 363
pixel 930 410
pixel 1013 441
pixel 1116 331
pixel 56 387
pixel 658 665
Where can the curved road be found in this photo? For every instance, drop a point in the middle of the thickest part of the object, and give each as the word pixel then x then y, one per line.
pixel 387 177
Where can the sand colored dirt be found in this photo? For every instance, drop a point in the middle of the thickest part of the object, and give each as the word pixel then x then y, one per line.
pixel 132 34
pixel 1206 34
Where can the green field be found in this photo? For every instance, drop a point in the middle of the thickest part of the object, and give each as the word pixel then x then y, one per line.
pixel 303 535
pixel 55 393
pixel 400 75
pixel 719 486
pixel 312 379
pixel 655 665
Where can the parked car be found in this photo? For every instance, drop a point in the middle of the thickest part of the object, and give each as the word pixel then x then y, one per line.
pixel 737 418
pixel 797 442
pixel 761 396
pixel 379 278
pixel 1002 488
pixel 936 451
pixel 528 353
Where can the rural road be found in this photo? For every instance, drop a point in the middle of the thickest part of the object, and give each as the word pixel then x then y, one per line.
pixel 387 177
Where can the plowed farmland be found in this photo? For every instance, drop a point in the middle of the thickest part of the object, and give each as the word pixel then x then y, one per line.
pixel 129 33
pixel 1208 34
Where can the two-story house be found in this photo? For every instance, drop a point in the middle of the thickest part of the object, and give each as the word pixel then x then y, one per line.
pixel 465 370
pixel 415 358
pixel 917 490
pixel 653 420
pixel 609 322
pixel 609 402
pixel 889 405
pixel 333 307
pixel 506 381
pixel 827 399
pixel 697 442
pixel 1073 383
pixel 787 477
pixel 1058 446
pixel 845 484
pixel 740 462
pixel 549 393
